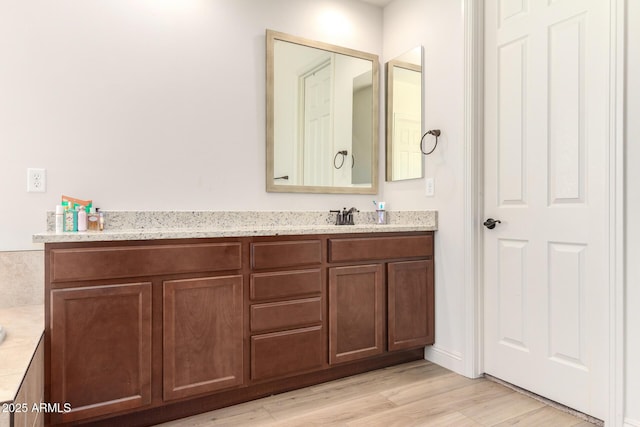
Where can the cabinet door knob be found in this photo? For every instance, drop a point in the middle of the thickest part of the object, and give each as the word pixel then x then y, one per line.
pixel 491 223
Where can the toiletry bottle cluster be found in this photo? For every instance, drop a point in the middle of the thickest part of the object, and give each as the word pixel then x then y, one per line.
pixel 78 215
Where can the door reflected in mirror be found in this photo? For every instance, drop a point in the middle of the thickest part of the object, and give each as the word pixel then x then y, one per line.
pixel 404 116
pixel 322 117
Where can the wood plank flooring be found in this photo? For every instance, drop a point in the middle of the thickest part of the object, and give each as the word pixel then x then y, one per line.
pixel 413 394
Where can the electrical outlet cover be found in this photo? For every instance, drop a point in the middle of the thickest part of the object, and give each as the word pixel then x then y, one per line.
pixel 36 180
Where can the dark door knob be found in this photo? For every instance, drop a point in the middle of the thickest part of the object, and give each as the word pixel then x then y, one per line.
pixel 491 223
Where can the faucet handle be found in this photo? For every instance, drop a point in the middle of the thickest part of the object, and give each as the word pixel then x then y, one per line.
pixel 349 216
pixel 339 216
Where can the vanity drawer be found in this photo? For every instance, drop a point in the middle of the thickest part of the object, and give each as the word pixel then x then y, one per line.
pixel 286 314
pixel 285 284
pixel 135 261
pixel 379 248
pixel 287 353
pixel 286 254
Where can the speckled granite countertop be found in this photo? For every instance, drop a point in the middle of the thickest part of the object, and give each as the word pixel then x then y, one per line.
pixel 206 224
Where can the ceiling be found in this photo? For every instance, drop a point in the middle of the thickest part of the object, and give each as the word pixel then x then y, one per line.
pixel 381 3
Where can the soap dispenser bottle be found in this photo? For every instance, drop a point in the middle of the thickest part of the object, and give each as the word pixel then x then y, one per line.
pixel 82 218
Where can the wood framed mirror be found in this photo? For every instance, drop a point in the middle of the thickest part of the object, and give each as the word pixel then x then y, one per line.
pixel 322 117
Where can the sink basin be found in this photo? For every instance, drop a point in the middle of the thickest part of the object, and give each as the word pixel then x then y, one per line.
pixel 2 334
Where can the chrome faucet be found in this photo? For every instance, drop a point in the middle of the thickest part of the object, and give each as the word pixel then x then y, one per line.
pixel 345 217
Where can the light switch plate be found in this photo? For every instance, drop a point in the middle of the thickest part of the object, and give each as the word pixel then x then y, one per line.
pixel 430 187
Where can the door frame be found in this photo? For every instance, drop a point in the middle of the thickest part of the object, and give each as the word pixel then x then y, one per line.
pixel 473 17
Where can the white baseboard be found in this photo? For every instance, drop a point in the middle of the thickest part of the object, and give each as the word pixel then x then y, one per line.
pixel 628 422
pixel 448 359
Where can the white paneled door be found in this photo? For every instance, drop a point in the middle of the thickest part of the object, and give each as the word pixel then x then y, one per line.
pixel 546 181
pixel 318 126
pixel 407 158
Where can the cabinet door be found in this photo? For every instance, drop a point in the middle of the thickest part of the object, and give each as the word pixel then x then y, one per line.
pixel 100 349
pixel 410 304
pixel 356 312
pixel 202 341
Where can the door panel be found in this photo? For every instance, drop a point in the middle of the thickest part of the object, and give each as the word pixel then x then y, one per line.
pixel 410 304
pixel 512 123
pixel 566 111
pixel 356 312
pixel 100 349
pixel 546 179
pixel 407 158
pixel 566 296
pixel 318 126
pixel 512 285
pixel 202 335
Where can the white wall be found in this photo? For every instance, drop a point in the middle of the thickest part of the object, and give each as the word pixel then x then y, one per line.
pixel 438 26
pixel 632 412
pixel 150 105
pixel 159 104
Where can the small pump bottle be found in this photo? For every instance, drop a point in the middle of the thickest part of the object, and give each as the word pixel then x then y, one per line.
pixel 101 219
pixel 59 219
pixel 82 219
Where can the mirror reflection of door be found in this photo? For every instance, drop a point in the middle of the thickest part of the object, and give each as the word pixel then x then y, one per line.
pixel 317 140
pixel 407 90
pixel 362 132
pixel 404 116
pixel 335 114
pixel 406 153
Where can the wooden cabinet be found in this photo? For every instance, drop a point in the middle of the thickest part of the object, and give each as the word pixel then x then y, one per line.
pixel 284 353
pixel 113 262
pixel 143 332
pixel 286 253
pixel 354 249
pixel 285 284
pixel 356 312
pixel 286 314
pixel 100 349
pixel 287 304
pixel 410 304
pixel 126 317
pixel 365 306
pixel 202 335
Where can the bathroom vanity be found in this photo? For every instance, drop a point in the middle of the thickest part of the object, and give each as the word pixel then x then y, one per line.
pixel 147 330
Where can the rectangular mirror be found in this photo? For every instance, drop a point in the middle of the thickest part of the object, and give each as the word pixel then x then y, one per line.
pixel 322 117
pixel 404 116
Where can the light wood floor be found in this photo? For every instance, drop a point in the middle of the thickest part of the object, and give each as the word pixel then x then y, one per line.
pixel 414 394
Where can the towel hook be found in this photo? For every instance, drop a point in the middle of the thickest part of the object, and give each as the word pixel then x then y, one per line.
pixel 434 132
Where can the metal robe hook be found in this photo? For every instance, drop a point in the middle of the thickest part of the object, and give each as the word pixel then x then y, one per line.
pixel 434 132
